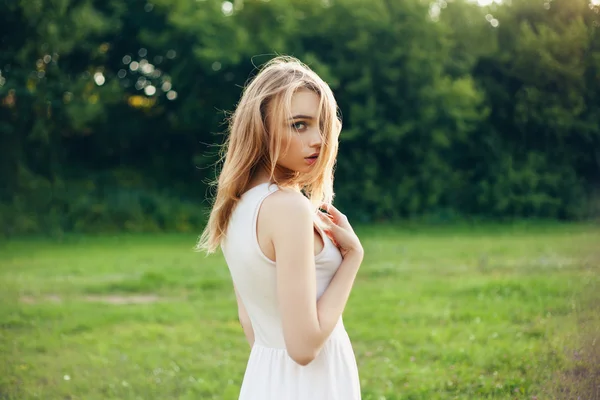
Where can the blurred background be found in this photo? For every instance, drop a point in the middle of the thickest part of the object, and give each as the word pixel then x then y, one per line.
pixel 469 164
pixel 110 112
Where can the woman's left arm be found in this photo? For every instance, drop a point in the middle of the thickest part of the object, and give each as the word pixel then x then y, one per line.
pixel 244 320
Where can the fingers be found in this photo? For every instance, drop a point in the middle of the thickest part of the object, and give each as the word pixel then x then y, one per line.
pixel 337 215
pixel 326 219
pixel 329 231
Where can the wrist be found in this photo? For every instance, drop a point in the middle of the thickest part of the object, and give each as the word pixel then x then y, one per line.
pixel 356 253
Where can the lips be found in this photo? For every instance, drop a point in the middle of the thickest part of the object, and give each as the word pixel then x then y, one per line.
pixel 310 160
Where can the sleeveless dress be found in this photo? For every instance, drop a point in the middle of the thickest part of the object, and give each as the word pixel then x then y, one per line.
pixel 271 374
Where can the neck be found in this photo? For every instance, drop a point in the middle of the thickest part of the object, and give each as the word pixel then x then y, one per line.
pixel 262 175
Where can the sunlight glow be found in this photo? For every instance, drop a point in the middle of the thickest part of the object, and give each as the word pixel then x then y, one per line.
pixel 484 3
pixel 150 90
pixel 171 95
pixel 227 8
pixel 99 78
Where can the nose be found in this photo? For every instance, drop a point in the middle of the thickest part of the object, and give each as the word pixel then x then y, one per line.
pixel 315 139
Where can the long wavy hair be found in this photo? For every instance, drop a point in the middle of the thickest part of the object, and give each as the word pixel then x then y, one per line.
pixel 253 142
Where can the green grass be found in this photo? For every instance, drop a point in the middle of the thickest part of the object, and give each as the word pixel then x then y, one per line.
pixel 467 313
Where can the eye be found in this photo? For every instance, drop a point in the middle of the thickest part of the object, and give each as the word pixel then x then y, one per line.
pixel 299 126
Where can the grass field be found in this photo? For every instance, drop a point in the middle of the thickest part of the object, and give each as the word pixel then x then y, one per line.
pixel 467 313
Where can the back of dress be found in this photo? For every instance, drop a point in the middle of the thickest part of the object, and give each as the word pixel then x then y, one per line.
pixel 252 272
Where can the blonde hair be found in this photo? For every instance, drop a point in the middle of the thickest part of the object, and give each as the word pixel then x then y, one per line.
pixel 251 144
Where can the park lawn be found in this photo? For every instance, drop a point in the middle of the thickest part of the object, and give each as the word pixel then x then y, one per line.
pixel 500 312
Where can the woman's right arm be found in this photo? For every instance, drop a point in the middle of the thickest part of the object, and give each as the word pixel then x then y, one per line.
pixel 307 323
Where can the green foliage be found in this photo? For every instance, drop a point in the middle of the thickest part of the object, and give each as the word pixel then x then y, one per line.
pixel 450 109
pixel 542 142
pixel 114 202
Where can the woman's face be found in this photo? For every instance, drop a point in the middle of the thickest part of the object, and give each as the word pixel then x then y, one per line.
pixel 304 143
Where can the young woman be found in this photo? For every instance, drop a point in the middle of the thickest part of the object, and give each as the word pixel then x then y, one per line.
pixel 293 266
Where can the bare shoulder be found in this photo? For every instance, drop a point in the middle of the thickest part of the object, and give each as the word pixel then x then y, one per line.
pixel 284 202
pixel 287 205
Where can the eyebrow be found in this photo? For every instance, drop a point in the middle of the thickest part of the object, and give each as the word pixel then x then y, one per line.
pixel 301 117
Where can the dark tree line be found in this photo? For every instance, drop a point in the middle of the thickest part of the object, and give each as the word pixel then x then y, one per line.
pixel 110 110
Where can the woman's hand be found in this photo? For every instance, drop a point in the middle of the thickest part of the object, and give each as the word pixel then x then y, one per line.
pixel 339 230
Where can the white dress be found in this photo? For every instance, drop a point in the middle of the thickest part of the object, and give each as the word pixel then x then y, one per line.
pixel 270 373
